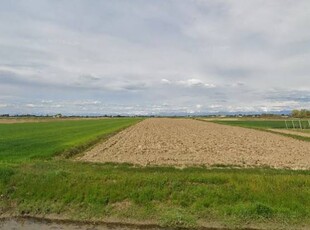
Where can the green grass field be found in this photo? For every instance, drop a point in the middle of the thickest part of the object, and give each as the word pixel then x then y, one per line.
pixel 266 124
pixel 28 141
pixel 34 183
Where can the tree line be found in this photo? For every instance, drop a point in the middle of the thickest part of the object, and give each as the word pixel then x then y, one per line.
pixel 303 113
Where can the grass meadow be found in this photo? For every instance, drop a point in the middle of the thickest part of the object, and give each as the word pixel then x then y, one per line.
pixel 268 124
pixel 21 142
pixel 265 125
pixel 34 182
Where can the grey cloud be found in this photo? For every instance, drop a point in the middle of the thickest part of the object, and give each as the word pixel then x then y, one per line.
pixel 89 77
pixel 134 86
pixel 234 72
pixel 9 77
pixel 190 83
pixel 132 55
pixel 289 95
pixel 86 82
pixel 193 82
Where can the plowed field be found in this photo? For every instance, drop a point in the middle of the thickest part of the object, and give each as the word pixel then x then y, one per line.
pixel 184 142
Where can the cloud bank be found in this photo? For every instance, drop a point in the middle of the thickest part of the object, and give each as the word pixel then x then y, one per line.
pixel 154 57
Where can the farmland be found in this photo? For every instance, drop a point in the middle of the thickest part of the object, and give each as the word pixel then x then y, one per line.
pixel 273 124
pixel 186 142
pixel 291 128
pixel 132 175
pixel 28 141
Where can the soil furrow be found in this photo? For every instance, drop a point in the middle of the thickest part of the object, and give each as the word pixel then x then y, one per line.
pixel 185 142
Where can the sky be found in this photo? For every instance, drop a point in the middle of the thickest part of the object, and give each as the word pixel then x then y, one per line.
pixel 95 57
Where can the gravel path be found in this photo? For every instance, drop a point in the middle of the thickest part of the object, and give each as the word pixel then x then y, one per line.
pixel 184 142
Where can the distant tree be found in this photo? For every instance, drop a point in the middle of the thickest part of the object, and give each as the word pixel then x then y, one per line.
pixel 295 113
pixel 303 113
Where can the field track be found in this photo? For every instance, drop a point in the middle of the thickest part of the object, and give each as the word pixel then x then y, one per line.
pixel 184 142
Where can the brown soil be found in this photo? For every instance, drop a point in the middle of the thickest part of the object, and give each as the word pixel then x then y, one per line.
pixel 292 132
pixel 184 142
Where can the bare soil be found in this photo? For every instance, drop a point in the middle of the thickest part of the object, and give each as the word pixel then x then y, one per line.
pixel 186 142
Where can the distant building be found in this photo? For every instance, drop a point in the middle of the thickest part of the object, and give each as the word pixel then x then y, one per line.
pixel 57 115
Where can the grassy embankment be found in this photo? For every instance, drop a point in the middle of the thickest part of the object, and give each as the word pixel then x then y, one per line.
pixel 32 182
pixel 266 125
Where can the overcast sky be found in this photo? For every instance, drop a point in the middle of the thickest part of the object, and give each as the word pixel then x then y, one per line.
pixel 155 56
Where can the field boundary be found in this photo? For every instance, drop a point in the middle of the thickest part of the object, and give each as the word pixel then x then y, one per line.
pixel 80 149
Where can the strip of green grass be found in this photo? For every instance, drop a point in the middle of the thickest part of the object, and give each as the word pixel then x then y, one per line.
pixel 42 140
pixel 169 196
pixel 265 125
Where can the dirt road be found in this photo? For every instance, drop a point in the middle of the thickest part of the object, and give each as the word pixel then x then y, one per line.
pixel 183 142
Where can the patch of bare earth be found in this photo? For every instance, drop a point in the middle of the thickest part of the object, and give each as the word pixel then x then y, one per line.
pixel 184 142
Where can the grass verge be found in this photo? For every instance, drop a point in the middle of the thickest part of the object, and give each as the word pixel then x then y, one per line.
pixel 168 196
